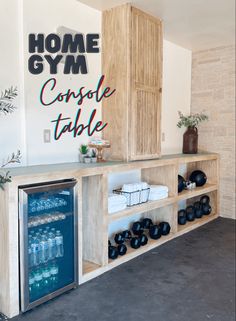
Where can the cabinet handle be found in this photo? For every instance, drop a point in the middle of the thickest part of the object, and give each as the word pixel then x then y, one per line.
pixel 160 90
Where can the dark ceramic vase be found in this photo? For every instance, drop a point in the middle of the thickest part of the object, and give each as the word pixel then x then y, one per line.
pixel 190 141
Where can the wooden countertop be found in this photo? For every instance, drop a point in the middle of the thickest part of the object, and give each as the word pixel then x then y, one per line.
pixel 107 167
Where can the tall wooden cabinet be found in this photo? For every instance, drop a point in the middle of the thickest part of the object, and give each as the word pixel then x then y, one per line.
pixel 132 64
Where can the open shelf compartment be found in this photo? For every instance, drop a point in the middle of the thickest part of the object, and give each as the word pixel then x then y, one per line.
pixel 205 218
pixel 94 228
pixel 166 213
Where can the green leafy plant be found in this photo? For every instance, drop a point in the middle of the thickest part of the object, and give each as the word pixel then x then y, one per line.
pixel 93 154
pixel 6 97
pixel 83 149
pixel 192 120
pixel 5 176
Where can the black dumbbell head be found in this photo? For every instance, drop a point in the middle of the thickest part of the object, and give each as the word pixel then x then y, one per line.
pixel 146 223
pixel 112 252
pixel 143 239
pixel 126 234
pixel 119 239
pixel 137 228
pixel 205 199
pixel 122 249
pixel 155 232
pixel 165 228
pixel 135 242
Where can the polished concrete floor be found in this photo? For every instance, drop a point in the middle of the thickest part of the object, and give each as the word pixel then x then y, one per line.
pixel 191 278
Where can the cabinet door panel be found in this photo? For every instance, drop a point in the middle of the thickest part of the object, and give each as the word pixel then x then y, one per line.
pixel 145 121
pixel 146 68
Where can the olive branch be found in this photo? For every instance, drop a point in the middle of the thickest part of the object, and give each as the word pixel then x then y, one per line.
pixel 192 120
pixel 7 107
pixel 6 97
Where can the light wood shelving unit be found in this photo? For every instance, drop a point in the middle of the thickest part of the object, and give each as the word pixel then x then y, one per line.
pixel 163 171
pixel 94 220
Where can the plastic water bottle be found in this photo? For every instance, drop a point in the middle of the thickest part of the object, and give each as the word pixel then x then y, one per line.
pixel 38 280
pixel 51 246
pixel 31 283
pixel 44 249
pixel 54 271
pixel 46 279
pixel 59 244
pixel 35 252
pixel 38 237
pixel 30 257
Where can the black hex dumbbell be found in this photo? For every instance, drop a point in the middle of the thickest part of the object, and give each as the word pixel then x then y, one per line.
pixel 120 238
pixel 147 224
pixel 163 226
pixel 114 251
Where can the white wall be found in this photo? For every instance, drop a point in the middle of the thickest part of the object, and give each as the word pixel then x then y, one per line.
pixel 76 16
pixel 24 128
pixel 11 130
pixel 176 95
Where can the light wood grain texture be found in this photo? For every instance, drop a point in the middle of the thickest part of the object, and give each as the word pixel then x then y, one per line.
pixel 132 63
pixel 146 76
pixel 93 219
pixel 115 67
pixel 164 175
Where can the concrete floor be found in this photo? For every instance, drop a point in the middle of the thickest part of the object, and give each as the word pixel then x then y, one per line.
pixel 191 278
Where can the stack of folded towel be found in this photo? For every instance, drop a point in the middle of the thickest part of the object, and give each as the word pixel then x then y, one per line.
pixel 116 203
pixel 158 192
pixel 136 196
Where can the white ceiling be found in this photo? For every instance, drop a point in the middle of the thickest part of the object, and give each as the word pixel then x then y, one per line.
pixel 193 24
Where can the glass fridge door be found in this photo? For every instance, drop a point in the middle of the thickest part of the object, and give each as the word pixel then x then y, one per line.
pixel 48 241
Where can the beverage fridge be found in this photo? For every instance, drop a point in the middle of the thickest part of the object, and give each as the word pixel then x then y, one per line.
pixel 48 241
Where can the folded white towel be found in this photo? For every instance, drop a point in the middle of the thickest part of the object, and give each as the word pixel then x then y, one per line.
pixel 156 196
pixel 159 188
pixel 116 208
pixel 134 187
pixel 116 199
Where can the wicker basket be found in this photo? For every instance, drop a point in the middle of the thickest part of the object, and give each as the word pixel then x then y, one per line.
pixel 136 197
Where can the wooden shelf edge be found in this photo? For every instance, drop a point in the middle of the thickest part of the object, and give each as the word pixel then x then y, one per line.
pixel 197 192
pixel 149 206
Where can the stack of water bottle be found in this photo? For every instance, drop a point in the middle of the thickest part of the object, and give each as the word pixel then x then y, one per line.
pixel 38 205
pixel 44 247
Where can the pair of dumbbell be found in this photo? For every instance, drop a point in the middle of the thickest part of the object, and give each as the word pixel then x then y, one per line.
pixel 135 241
pixel 155 230
pixel 197 210
pixel 115 251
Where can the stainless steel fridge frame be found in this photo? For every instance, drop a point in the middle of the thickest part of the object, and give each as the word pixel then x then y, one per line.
pixel 23 240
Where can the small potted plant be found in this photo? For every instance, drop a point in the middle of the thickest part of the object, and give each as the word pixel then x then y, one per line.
pixel 190 137
pixel 93 156
pixel 87 159
pixel 83 152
